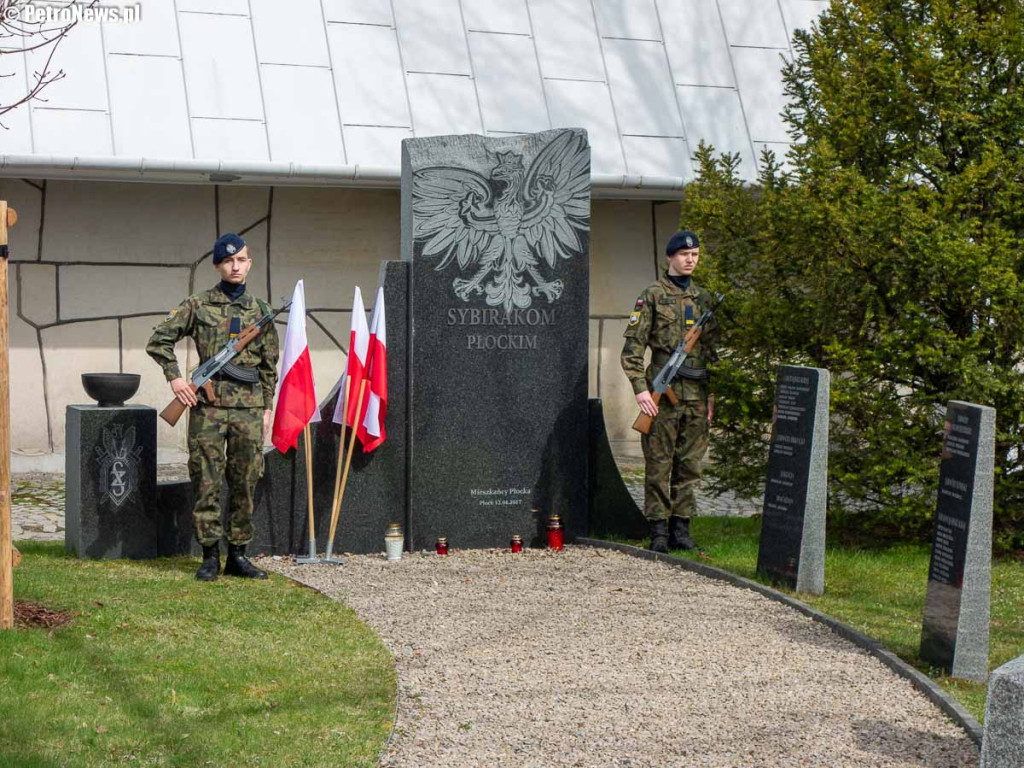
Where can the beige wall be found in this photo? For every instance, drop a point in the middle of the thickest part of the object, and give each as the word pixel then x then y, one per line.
pixel 94 266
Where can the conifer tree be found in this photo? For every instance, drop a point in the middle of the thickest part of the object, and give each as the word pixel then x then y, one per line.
pixel 890 251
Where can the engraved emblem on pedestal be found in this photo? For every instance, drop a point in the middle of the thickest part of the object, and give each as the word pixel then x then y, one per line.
pixel 118 461
pixel 507 232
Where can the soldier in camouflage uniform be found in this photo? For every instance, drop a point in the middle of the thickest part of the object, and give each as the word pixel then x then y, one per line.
pixel 225 437
pixel 678 439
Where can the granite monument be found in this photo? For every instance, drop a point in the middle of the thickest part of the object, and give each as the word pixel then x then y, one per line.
pixel 954 635
pixel 497 232
pixel 792 547
pixel 110 478
pixel 1003 744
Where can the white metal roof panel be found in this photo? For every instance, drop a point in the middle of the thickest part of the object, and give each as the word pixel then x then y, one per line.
pixel 297 39
pixel 233 7
pixel 155 34
pixel 508 83
pixel 588 105
pixel 221 77
pixel 566 38
pixel 80 55
pixel 443 104
pixel 71 131
pixel 148 109
pixel 754 23
pixel 368 75
pixel 630 19
pixel 230 140
pixel 650 156
pixel 759 72
pixel 508 16
pixel 716 115
pixel 302 115
pixel 432 36
pixel 390 64
pixel 376 147
pixel 645 101
pixel 359 11
pixel 703 57
pixel 800 14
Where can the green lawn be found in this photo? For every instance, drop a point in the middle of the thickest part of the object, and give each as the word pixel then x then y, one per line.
pixel 159 669
pixel 881 593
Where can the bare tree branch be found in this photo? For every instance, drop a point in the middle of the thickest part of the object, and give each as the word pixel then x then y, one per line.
pixel 17 36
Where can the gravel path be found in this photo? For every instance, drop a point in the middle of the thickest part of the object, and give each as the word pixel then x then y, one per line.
pixel 593 658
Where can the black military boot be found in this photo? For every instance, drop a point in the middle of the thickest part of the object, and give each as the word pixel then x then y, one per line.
pixel 659 536
pixel 237 564
pixel 211 563
pixel 679 533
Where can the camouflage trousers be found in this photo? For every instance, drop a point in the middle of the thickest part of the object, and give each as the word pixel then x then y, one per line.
pixel 674 455
pixel 224 442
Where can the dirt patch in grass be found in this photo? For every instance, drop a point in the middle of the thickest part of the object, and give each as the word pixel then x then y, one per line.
pixel 29 615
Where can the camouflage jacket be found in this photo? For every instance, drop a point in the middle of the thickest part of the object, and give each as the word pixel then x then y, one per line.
pixel 659 320
pixel 206 318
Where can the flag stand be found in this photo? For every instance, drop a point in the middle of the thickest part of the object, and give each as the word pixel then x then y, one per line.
pixel 336 500
pixel 312 558
pixel 351 444
pixel 7 219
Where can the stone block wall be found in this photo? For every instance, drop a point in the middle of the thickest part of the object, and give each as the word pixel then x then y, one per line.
pixel 95 265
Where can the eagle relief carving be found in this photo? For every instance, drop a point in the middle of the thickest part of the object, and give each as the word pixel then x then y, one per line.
pixel 508 231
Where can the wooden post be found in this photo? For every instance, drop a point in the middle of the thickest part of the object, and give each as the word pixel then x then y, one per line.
pixel 7 218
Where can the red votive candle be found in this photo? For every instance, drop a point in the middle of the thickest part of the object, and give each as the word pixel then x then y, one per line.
pixel 517 543
pixel 556 534
pixel 442 545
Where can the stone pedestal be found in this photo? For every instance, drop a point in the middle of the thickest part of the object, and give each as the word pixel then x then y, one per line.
pixel 954 635
pixel 497 231
pixel 110 473
pixel 1003 745
pixel 792 548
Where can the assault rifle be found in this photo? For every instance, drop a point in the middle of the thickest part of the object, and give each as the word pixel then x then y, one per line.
pixel 221 361
pixel 662 384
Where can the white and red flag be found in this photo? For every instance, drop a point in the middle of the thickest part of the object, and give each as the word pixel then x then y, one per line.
pixel 371 432
pixel 296 397
pixel 358 353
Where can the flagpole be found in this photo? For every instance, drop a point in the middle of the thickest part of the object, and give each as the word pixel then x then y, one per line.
pixel 312 558
pixel 335 501
pixel 7 218
pixel 351 443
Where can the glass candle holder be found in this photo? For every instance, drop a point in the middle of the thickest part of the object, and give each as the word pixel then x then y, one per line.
pixel 556 533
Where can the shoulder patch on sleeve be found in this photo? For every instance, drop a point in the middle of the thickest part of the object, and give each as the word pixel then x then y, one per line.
pixel 634 317
pixel 639 304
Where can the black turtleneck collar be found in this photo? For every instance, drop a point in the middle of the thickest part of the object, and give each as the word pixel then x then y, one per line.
pixel 231 290
pixel 682 281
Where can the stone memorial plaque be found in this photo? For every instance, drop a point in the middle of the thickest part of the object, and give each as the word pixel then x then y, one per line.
pixel 498 233
pixel 1003 745
pixel 110 477
pixel 792 547
pixel 954 635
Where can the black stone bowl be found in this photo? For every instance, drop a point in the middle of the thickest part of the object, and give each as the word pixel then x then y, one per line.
pixel 110 389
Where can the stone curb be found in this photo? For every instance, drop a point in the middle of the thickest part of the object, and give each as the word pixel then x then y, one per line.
pixel 952 708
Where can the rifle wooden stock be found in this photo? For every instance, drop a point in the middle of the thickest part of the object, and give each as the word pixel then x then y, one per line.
pixel 175 408
pixel 643 421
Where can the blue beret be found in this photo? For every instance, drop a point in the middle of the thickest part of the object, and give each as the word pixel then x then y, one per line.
pixel 227 245
pixel 684 240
